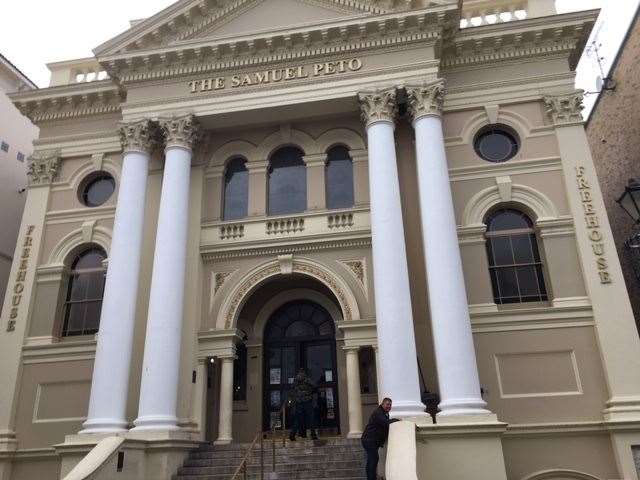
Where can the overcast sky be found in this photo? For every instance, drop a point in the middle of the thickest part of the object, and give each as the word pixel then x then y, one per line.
pixel 34 33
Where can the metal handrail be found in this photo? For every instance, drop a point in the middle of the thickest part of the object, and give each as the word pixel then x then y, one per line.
pixel 242 468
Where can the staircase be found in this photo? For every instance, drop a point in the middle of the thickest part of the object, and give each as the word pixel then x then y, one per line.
pixel 331 458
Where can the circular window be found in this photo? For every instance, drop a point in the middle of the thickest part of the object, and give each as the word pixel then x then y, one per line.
pixel 97 189
pixel 496 143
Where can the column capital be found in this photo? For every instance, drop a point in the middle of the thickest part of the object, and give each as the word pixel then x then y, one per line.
pixel 378 105
pixel 426 99
pixel 351 348
pixel 139 136
pixel 314 160
pixel 43 167
pixel 180 131
pixel 359 155
pixel 565 109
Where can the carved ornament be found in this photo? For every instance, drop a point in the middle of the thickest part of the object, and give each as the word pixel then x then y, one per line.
pixel 140 136
pixel 43 167
pixel 180 131
pixel 426 99
pixel 565 109
pixel 378 106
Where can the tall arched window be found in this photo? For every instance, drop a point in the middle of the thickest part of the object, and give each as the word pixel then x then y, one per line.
pixel 287 182
pixel 84 294
pixel 236 190
pixel 339 178
pixel 514 259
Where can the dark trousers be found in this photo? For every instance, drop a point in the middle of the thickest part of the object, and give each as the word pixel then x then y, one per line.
pixel 372 460
pixel 302 418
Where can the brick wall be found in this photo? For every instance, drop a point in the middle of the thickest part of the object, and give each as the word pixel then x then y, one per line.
pixel 614 136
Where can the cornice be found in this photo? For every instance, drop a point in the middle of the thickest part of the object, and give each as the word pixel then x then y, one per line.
pixel 212 255
pixel 318 39
pixel 69 101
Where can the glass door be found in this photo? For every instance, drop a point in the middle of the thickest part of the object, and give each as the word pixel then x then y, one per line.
pixel 319 360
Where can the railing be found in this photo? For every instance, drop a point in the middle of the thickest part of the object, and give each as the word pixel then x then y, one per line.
pixel 260 436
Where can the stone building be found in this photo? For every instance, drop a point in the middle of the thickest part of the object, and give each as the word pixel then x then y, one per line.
pixel 613 130
pixel 16 144
pixel 344 186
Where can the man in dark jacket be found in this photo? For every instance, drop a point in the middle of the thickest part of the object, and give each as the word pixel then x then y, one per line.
pixel 375 435
pixel 302 406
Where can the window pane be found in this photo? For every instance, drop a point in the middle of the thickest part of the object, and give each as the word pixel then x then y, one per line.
pixel 541 286
pixel 92 317
pixel 236 190
pixel 75 319
pixel 507 220
pixel 528 281
pixel 300 329
pixel 522 248
pixel 95 285
pixel 287 182
pixel 79 285
pixel 339 178
pixel 507 282
pixel 501 247
pixel 90 259
pixel 99 190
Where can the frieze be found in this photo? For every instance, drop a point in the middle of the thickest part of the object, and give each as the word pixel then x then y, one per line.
pixel 266 77
pixel 43 167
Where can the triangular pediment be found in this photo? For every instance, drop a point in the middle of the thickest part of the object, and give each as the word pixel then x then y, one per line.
pixel 267 15
pixel 198 19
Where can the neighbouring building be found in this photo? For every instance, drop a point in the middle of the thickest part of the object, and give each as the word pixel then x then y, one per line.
pixel 233 190
pixel 613 130
pixel 16 144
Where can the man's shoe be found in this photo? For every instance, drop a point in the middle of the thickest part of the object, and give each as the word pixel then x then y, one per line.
pixel 292 438
pixel 314 436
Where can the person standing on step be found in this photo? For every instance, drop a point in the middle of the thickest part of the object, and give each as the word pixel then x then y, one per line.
pixel 302 397
pixel 375 435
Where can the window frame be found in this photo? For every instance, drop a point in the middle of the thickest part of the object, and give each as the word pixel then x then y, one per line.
pixel 68 302
pixel 327 185
pixel 270 169
pixel 497 127
pixel 537 263
pixel 90 180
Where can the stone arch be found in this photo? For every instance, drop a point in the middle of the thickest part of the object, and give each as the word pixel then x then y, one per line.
pixel 70 243
pixel 232 149
pixel 340 136
pixel 559 474
pixel 478 206
pixel 279 139
pixel 506 117
pixel 231 307
pixel 288 296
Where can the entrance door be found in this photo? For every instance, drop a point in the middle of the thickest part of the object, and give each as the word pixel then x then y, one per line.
pixel 298 335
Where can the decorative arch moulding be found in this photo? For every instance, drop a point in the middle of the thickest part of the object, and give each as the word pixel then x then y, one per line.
pixel 232 306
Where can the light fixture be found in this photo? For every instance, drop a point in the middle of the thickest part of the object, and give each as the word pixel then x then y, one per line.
pixel 630 200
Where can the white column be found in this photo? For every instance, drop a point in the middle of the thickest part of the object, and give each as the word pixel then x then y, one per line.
pixel 451 324
pixel 225 420
pixel 353 392
pixel 394 318
pixel 160 367
pixel 110 381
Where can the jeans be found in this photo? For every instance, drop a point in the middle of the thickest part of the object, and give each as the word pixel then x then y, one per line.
pixel 302 418
pixel 372 460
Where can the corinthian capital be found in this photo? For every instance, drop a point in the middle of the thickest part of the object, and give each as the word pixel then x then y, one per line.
pixel 378 106
pixel 140 136
pixel 565 109
pixel 426 99
pixel 43 167
pixel 180 131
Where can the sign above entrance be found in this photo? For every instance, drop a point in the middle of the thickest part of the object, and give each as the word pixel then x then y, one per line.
pixel 266 77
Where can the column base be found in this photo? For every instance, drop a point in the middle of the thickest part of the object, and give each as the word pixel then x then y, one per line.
pixel 405 409
pixel 155 422
pixel 223 441
pixel 104 425
pixel 354 434
pixel 463 406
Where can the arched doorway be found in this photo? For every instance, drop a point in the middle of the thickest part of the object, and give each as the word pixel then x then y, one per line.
pixel 300 334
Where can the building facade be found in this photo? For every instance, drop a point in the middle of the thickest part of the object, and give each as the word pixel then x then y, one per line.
pixel 613 135
pixel 256 186
pixel 16 137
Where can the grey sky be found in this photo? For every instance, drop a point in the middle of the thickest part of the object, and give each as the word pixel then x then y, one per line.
pixel 72 28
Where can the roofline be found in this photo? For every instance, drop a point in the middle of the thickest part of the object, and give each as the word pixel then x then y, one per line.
pixel 18 72
pixel 614 64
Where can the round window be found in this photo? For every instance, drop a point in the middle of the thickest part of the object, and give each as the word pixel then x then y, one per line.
pixel 97 189
pixel 496 143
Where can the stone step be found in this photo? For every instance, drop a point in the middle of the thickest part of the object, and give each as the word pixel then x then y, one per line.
pixel 282 467
pixel 319 475
pixel 280 458
pixel 254 477
pixel 290 449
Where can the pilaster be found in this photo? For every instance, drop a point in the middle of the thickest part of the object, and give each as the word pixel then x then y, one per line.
pixel 257 187
pixel 316 194
pixel 360 159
